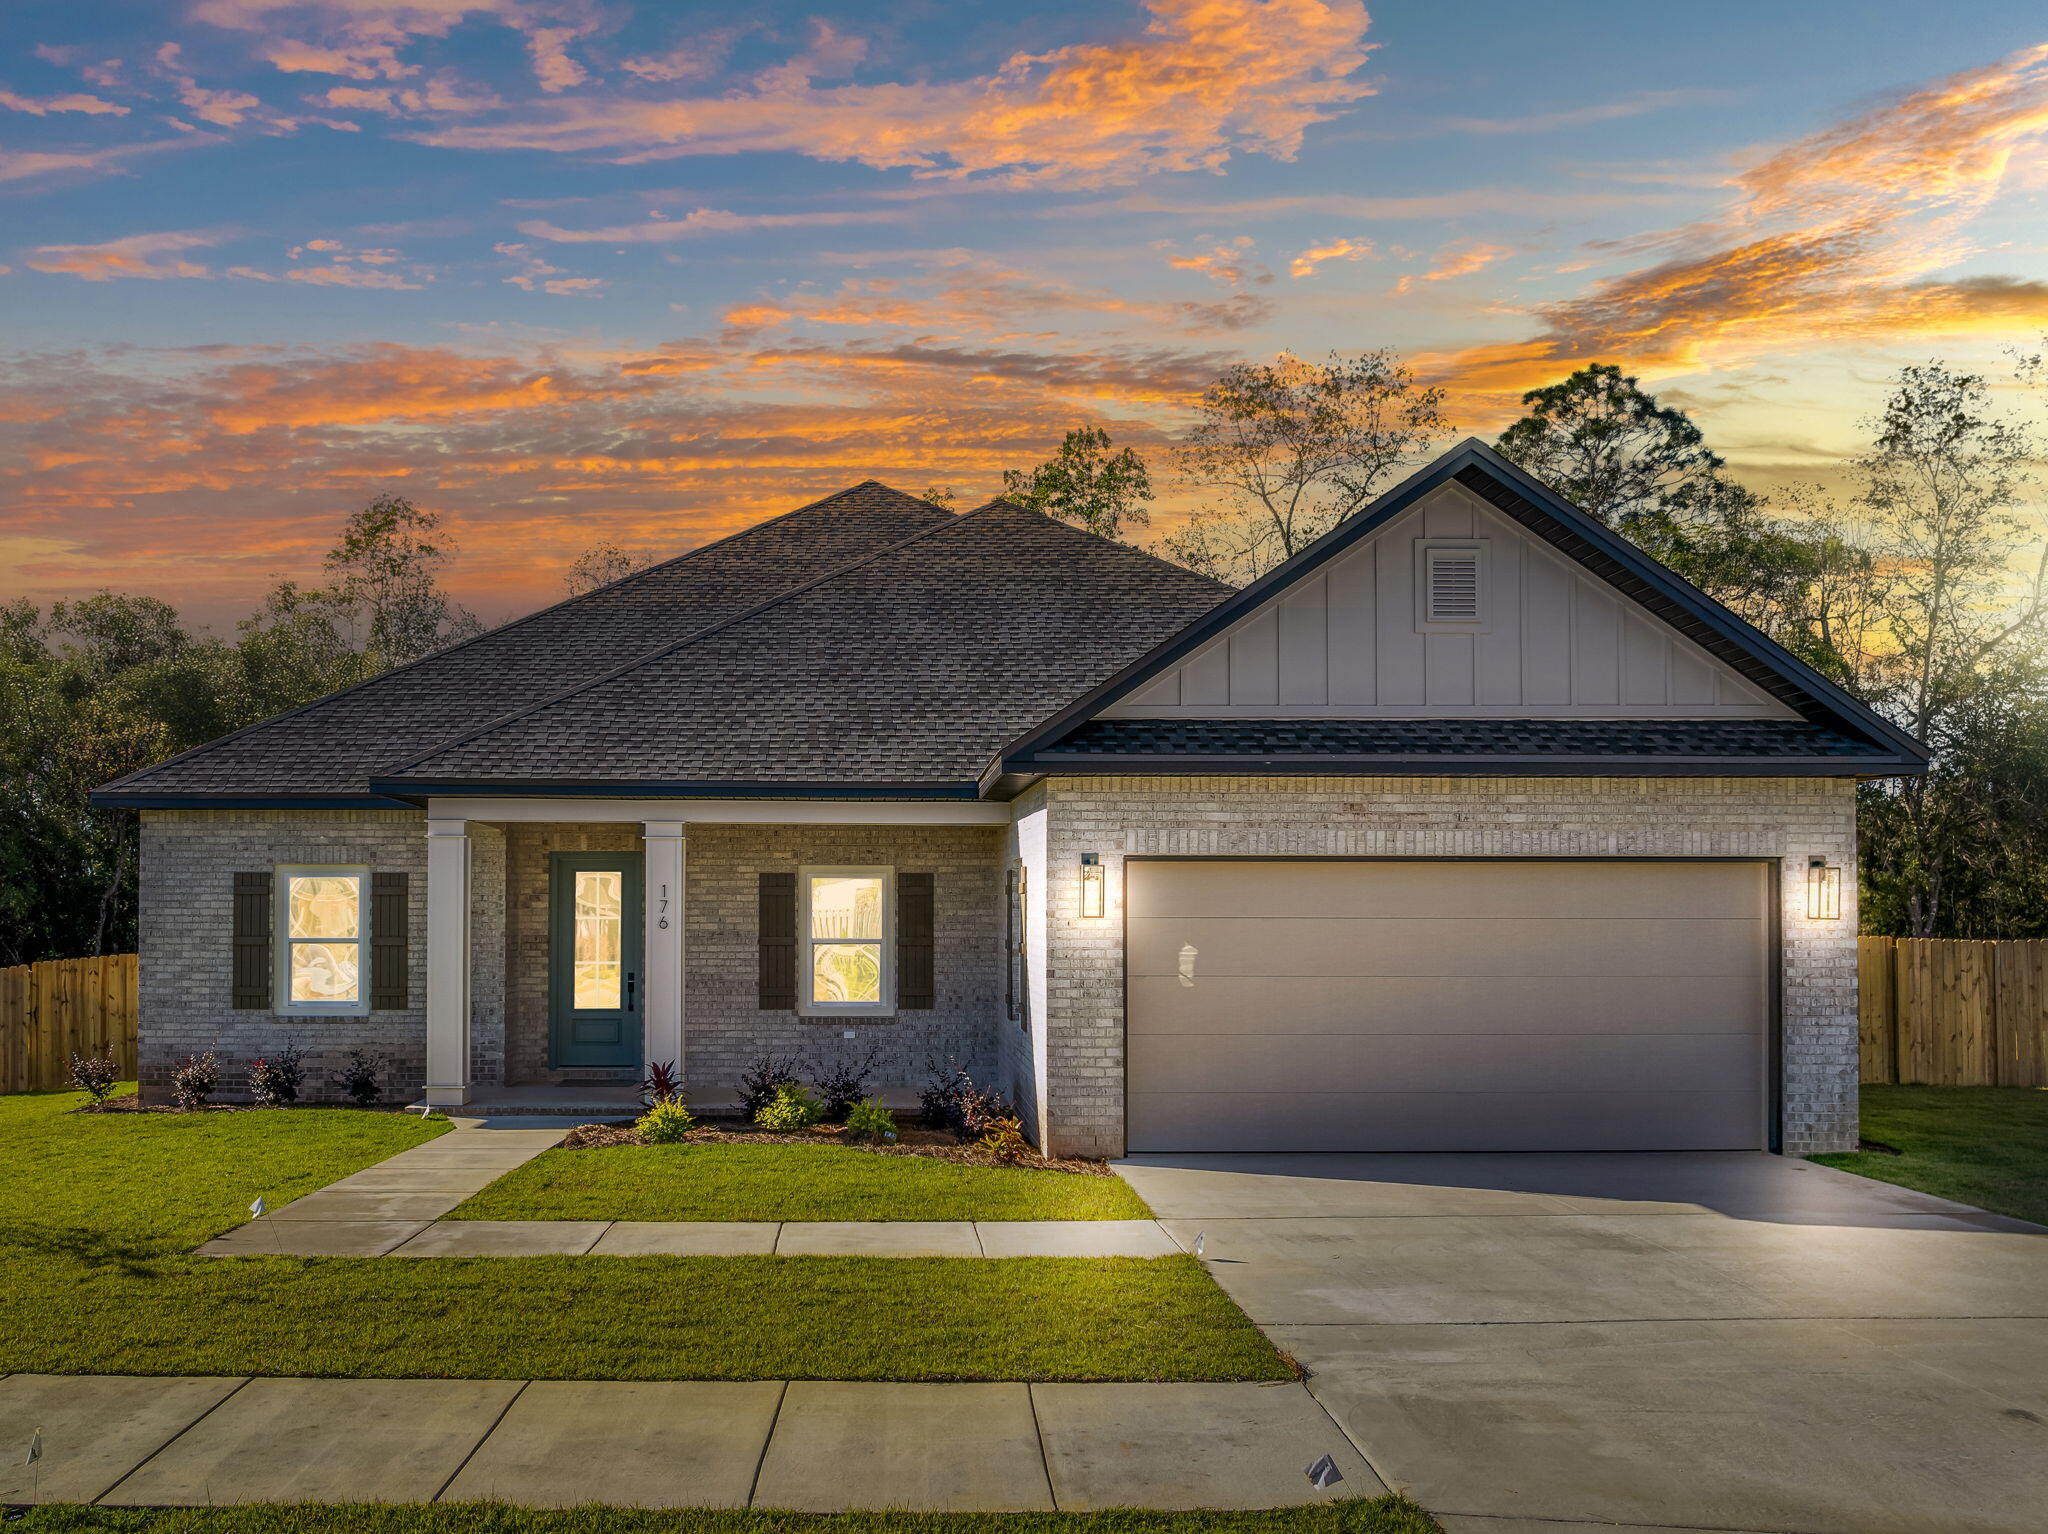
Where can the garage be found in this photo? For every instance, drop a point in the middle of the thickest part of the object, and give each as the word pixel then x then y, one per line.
pixel 1448 1005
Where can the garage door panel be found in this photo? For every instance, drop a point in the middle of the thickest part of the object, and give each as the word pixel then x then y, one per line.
pixel 1524 945
pixel 1482 1004
pixel 1420 1062
pixel 1444 1121
pixel 1446 888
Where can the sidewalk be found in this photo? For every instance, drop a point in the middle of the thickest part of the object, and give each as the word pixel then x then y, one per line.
pixel 817 1446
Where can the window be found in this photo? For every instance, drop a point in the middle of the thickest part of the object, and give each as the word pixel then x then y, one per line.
pixel 845 923
pixel 599 939
pixel 323 921
pixel 1450 580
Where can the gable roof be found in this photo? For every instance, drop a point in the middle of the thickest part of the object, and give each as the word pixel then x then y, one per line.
pixel 1066 740
pixel 325 752
pixel 902 672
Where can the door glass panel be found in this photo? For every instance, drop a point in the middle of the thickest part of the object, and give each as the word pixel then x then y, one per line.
pixel 600 939
pixel 842 908
pixel 323 971
pixel 324 906
pixel 846 972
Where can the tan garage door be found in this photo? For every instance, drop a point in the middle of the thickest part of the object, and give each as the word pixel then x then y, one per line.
pixel 1447 1006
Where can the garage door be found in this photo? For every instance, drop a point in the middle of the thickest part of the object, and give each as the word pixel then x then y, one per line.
pixel 1447 1006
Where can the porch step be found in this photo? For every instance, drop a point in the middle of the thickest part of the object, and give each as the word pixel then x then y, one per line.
pixel 587 1100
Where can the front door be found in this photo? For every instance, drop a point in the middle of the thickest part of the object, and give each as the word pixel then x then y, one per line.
pixel 594 967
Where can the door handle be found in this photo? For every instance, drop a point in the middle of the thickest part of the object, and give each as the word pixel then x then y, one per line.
pixel 630 977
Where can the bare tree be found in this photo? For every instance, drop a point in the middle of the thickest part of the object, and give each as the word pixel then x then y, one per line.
pixel 1293 448
pixel 599 565
pixel 386 570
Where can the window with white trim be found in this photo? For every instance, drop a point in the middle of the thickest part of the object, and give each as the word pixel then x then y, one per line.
pixel 846 939
pixel 322 944
pixel 1450 582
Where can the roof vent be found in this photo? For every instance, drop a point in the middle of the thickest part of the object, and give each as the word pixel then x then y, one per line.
pixel 1450 583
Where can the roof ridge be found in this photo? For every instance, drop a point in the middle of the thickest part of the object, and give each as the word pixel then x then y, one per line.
pixel 1005 503
pixel 683 643
pixel 490 633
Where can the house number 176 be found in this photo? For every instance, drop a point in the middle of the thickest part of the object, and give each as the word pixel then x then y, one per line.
pixel 661 910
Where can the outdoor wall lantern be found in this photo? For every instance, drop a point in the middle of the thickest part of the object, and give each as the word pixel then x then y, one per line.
pixel 1823 890
pixel 1093 900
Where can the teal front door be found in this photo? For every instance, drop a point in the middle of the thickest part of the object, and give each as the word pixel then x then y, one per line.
pixel 594 969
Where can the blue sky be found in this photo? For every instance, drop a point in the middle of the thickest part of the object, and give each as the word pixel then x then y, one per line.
pixel 573 270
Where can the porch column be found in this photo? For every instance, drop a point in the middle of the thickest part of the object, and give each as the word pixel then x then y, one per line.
pixel 448 1063
pixel 662 1017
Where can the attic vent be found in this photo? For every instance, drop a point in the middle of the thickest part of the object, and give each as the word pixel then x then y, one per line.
pixel 1450 584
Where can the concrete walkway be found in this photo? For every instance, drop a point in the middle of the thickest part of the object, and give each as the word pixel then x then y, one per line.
pixel 1666 1342
pixel 810 1445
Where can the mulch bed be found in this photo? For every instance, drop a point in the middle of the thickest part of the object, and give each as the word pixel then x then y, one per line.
pixel 934 1144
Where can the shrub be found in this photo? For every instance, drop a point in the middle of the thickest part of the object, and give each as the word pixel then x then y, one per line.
pixel 1004 1140
pixel 843 1081
pixel 666 1121
pixel 358 1077
pixel 193 1080
pixel 869 1120
pixel 663 1084
pixel 791 1108
pixel 761 1080
pixel 952 1101
pixel 95 1074
pixel 275 1082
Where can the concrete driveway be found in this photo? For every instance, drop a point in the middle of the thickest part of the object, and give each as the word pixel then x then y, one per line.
pixel 1723 1341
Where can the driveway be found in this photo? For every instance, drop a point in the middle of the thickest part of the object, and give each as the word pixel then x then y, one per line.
pixel 1725 1341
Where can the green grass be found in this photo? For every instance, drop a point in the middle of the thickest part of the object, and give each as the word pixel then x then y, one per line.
pixel 98 1215
pixel 1986 1146
pixel 789 1182
pixel 1378 1515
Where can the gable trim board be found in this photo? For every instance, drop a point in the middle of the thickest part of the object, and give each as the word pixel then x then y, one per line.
pixel 1779 677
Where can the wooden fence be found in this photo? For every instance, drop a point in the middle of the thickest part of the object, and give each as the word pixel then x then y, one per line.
pixel 51 1011
pixel 1954 1012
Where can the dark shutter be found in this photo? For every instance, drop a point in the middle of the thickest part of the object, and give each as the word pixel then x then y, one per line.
pixel 778 942
pixel 390 943
pixel 914 942
pixel 252 941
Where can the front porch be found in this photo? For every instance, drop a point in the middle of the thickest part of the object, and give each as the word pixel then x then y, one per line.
pixel 571 943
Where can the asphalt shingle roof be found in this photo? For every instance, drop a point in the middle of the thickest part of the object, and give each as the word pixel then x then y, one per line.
pixel 1270 738
pixel 333 746
pixel 912 667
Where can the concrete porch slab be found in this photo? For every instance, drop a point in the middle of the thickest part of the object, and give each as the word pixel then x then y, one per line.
pixel 95 1428
pixel 316 1440
pixel 942 1448
pixel 1191 1446
pixel 878 1238
pixel 504 1238
pixel 687 1238
pixel 1074 1238
pixel 564 1443
pixel 312 1238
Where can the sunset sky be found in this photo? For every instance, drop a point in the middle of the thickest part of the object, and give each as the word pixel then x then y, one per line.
pixel 582 270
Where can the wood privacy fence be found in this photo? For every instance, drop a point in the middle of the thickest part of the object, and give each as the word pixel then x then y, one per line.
pixel 1954 1012
pixel 51 1011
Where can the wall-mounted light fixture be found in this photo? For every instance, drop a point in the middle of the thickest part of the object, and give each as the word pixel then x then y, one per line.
pixel 1093 900
pixel 1823 890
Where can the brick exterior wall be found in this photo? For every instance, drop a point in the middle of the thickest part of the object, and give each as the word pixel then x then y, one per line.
pixel 189 861
pixel 1080 1106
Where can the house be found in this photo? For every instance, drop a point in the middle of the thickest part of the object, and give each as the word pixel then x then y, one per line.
pixel 1468 828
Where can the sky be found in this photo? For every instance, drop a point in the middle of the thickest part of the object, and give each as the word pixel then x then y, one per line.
pixel 644 272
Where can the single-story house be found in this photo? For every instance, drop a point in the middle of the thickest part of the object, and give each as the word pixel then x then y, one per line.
pixel 1470 827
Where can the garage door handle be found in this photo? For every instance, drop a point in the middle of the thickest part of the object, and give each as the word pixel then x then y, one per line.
pixel 1187 964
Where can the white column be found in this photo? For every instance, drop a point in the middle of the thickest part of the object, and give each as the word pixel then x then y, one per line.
pixel 448 958
pixel 662 1006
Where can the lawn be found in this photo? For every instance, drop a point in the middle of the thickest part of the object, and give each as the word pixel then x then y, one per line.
pixel 1986 1146
pixel 789 1182
pixel 1378 1515
pixel 98 1215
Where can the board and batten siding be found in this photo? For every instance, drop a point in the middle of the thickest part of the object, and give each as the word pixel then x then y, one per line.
pixel 1345 642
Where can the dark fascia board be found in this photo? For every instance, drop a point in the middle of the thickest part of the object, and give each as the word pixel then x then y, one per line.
pixel 1520 765
pixel 1472 453
pixel 114 799
pixel 413 789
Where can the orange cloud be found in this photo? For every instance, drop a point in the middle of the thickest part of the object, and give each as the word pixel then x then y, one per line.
pixel 1459 261
pixel 43 106
pixel 1304 265
pixel 1229 263
pixel 535 275
pixel 702 221
pixel 1207 80
pixel 26 164
pixel 137 255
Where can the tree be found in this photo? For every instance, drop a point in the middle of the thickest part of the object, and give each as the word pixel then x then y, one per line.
pixel 1293 448
pixel 385 570
pixel 1610 449
pixel 1084 483
pixel 942 496
pixel 599 565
